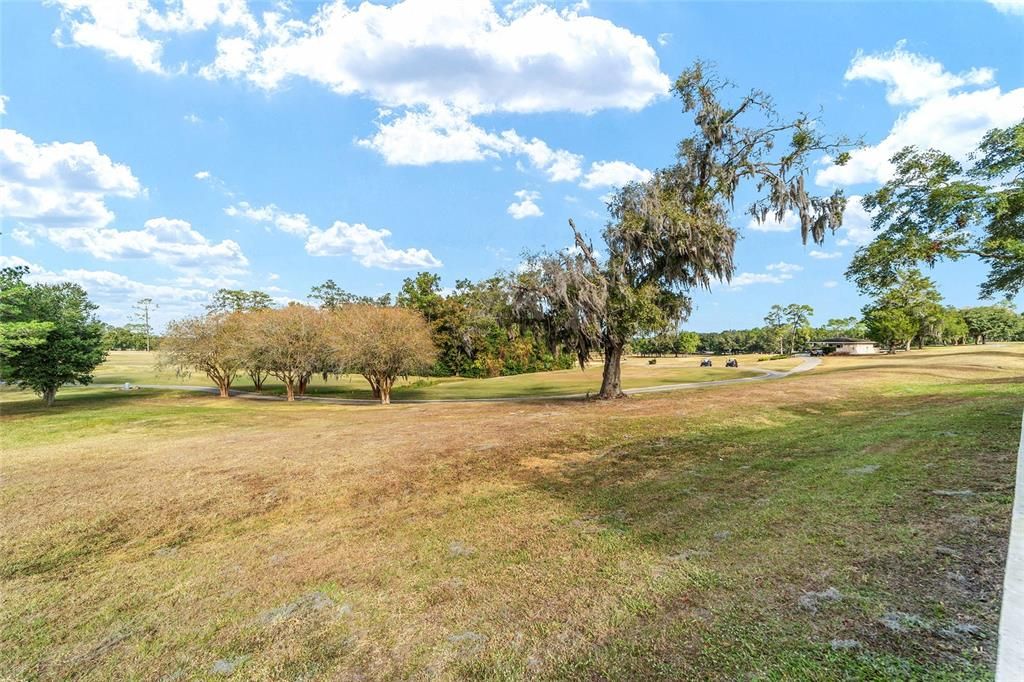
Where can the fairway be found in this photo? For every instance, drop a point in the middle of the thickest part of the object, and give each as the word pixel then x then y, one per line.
pixel 849 522
pixel 138 367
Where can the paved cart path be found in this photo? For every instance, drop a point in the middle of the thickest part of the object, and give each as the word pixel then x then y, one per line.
pixel 765 374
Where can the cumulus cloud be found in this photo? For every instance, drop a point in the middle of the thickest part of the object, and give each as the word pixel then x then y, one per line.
pixel 526 207
pixel 368 246
pixel 202 175
pixel 536 60
pixel 22 236
pixel 171 242
pixel 4 99
pixel 59 183
pixel 941 110
pixel 1012 7
pixel 115 293
pixel 445 134
pixel 664 39
pixel 193 119
pixel 825 255
pixel 136 31
pixel 614 174
pixel 856 229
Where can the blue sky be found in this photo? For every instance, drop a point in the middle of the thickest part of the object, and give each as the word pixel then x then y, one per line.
pixel 164 150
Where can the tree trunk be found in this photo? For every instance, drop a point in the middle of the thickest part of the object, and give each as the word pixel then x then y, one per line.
pixel 258 377
pixel 49 394
pixel 289 387
pixel 611 379
pixel 303 383
pixel 385 394
pixel 224 389
pixel 920 342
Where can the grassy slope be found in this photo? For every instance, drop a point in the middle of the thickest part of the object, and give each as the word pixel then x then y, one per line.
pixel 568 540
pixel 140 368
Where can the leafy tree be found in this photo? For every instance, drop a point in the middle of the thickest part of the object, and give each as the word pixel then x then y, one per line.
pixel 17 332
pixel 128 337
pixel 934 209
pixel 798 316
pixel 673 233
pixel 917 297
pixel 422 293
pixel 850 327
pixel 51 336
pixel 954 327
pixel 994 322
pixel 211 344
pixel 890 327
pixel 238 300
pixel 382 344
pixel 330 295
pixel 775 322
pixel 296 344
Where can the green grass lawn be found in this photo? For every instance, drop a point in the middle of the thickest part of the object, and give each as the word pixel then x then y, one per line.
pixel 800 529
pixel 141 368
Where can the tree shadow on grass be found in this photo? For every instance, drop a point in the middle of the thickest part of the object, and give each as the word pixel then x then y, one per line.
pixel 786 507
pixel 81 399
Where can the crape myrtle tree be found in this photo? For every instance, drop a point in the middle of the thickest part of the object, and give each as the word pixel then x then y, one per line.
pixel 935 209
pixel 296 344
pixel 672 234
pixel 50 334
pixel 242 301
pixel 211 344
pixel 382 343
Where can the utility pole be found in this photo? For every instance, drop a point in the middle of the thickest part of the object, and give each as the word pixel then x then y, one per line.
pixel 142 307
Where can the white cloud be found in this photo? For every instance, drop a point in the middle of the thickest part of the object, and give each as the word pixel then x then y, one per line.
pixel 825 255
pixel 202 175
pixel 1012 7
pixel 783 266
pixel 526 207
pixel 368 247
pixel 830 284
pixel 614 174
pixel 135 31
pixel 291 223
pixel 4 99
pixel 745 279
pixel 273 277
pixel 193 119
pixel 22 236
pixel 790 221
pixel 170 242
pixel 480 61
pixel 912 78
pixel 116 294
pixel 938 117
pixel 856 229
pixel 664 39
pixel 444 134
pixel 59 183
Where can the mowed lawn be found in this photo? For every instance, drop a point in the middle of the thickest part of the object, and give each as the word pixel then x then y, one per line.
pixel 141 368
pixel 846 523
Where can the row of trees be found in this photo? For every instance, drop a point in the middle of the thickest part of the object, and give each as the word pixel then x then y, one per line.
pixel 297 342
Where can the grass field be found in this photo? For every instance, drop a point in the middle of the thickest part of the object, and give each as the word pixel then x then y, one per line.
pixel 847 523
pixel 141 368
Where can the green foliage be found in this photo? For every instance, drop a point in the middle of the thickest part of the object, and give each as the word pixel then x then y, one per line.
pixel 128 337
pixel 890 327
pixel 934 209
pixel 238 300
pixel 50 335
pixel 15 332
pixel 992 323
pixel 330 295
